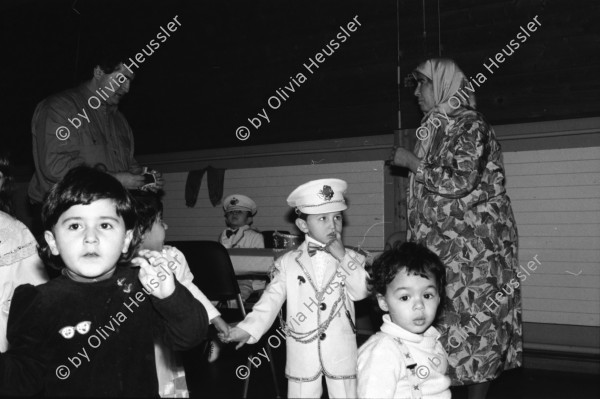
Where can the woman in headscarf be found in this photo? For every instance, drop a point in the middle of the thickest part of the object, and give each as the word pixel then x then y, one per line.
pixel 459 209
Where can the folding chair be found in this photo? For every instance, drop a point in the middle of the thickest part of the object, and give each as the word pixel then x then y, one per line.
pixel 213 273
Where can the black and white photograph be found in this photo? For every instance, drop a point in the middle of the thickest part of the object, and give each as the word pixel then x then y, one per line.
pixel 284 199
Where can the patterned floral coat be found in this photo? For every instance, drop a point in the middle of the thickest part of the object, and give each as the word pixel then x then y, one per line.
pixel 459 209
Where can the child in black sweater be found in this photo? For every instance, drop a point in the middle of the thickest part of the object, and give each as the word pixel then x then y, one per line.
pixel 91 331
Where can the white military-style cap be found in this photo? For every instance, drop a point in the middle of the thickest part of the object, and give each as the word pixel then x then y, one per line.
pixel 239 202
pixel 319 196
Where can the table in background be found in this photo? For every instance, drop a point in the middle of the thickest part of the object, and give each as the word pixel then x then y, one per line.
pixel 253 260
pixel 260 260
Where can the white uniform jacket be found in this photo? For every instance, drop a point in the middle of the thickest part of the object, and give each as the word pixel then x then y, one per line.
pixel 244 238
pixel 319 322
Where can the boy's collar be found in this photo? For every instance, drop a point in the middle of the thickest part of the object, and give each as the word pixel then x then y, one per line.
pixel 81 279
pixel 238 229
pixel 310 239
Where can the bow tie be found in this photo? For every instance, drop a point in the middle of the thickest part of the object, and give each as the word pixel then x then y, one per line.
pixel 313 248
pixel 230 232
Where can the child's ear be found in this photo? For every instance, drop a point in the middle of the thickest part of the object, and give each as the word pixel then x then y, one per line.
pixel 49 237
pixel 127 241
pixel 302 225
pixel 382 303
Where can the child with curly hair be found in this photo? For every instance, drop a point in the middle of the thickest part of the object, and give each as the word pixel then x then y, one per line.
pixel 405 359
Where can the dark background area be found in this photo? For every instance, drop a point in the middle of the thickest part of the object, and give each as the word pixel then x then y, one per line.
pixel 228 57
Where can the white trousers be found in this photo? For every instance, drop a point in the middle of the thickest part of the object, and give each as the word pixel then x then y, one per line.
pixel 314 389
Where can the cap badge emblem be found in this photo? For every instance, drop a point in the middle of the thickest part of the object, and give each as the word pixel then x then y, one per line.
pixel 326 193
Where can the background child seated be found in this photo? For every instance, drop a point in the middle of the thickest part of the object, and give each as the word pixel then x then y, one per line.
pixel 90 331
pixel 239 216
pixel 405 359
pixel 171 375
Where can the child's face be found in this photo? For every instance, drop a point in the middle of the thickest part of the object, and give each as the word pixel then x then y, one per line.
pixel 154 238
pixel 411 300
pixel 90 238
pixel 237 219
pixel 323 227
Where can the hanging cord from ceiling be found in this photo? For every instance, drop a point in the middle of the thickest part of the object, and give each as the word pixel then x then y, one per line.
pixel 439 30
pixel 78 40
pixel 424 30
pixel 409 81
pixel 398 54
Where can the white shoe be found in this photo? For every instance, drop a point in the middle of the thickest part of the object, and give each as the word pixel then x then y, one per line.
pixel 213 351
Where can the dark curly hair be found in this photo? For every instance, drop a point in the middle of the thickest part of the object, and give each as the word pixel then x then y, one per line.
pixel 417 260
pixel 149 208
pixel 83 185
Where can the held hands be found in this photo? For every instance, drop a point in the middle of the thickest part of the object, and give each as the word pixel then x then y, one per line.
pixel 404 158
pixel 336 248
pixel 236 334
pixel 221 326
pixel 155 274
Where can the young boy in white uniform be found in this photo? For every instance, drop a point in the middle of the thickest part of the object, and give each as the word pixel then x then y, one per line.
pixel 239 215
pixel 320 282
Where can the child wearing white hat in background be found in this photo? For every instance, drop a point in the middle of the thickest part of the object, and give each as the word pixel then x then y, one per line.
pixel 239 215
pixel 320 281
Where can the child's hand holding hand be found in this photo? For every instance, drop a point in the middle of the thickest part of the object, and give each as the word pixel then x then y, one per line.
pixel 221 326
pixel 236 334
pixel 336 247
pixel 150 263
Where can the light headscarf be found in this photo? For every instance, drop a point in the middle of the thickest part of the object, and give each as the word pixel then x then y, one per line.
pixel 447 80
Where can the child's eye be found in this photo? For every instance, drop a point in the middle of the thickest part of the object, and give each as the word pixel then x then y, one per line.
pixel 404 298
pixel 429 296
pixel 74 226
pixel 106 226
pixel 338 217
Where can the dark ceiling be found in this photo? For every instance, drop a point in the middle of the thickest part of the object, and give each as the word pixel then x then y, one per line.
pixel 229 57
